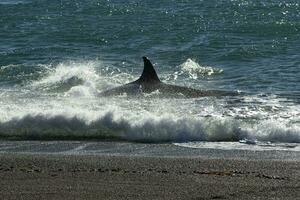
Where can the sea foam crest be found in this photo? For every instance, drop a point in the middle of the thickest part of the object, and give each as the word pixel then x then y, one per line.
pixel 114 123
pixel 72 78
pixel 80 78
pixel 194 69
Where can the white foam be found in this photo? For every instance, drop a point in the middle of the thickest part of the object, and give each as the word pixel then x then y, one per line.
pixel 194 69
pixel 261 146
pixel 63 72
pixel 81 116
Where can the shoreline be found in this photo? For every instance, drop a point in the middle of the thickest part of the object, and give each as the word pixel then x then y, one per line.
pixel 40 176
pixel 215 150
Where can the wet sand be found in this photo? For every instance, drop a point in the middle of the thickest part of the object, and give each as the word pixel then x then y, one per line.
pixel 27 176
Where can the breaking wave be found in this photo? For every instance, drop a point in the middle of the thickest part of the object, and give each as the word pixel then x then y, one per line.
pixel 113 125
pixel 69 77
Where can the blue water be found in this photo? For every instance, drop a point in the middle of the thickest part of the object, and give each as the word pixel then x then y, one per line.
pixel 57 56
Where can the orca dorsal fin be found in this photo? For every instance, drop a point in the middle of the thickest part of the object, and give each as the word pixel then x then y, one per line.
pixel 149 74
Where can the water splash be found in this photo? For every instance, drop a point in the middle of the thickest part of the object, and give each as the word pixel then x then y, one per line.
pixel 65 76
pixel 195 70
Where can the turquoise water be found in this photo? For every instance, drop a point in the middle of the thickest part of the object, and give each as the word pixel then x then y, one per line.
pixel 57 56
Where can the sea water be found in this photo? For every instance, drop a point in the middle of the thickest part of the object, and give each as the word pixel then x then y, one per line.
pixel 57 56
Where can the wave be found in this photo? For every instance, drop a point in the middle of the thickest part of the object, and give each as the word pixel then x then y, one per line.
pixel 80 78
pixel 73 78
pixel 112 125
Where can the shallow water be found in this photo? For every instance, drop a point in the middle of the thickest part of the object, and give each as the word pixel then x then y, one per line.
pixel 208 150
pixel 57 56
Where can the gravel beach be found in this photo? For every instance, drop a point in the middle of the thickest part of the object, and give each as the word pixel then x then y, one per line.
pixel 34 176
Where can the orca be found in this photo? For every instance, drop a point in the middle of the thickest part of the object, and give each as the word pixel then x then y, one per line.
pixel 150 83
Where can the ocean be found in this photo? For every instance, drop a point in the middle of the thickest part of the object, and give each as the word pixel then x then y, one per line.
pixel 57 56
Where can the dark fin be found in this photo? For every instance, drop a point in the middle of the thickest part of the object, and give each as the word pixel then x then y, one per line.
pixel 149 73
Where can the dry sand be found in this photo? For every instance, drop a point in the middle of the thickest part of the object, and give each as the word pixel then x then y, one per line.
pixel 128 177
